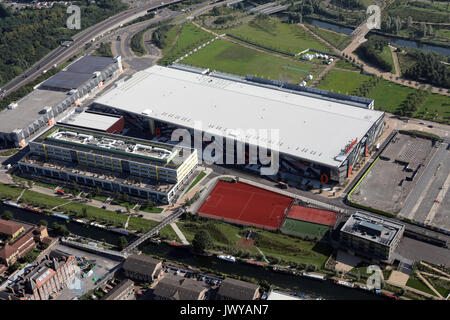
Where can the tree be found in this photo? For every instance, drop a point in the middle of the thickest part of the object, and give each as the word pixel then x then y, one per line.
pixel 202 241
pixel 43 222
pixel 122 242
pixel 7 215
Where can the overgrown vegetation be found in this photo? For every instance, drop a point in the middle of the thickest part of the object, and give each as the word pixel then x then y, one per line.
pixel 372 51
pixel 104 50
pixel 27 35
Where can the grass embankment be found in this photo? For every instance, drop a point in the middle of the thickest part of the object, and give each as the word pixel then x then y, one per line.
pixel 79 210
pixel 273 33
pixel 199 177
pixel 232 58
pixel 336 39
pixel 104 50
pixel 189 38
pixel 273 245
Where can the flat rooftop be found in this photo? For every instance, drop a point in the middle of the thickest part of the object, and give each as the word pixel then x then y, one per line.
pixel 309 128
pixel 91 120
pixel 28 109
pixel 372 228
pixel 90 64
pixel 67 80
pixel 112 145
pixel 99 173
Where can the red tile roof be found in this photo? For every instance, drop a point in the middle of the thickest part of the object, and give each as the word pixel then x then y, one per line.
pixel 9 227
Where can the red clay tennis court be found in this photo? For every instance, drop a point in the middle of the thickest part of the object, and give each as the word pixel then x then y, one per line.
pixel 327 218
pixel 245 204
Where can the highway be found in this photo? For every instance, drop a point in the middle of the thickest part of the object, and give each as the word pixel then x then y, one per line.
pixel 61 54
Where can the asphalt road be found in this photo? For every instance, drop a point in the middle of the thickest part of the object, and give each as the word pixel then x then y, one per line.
pixel 61 54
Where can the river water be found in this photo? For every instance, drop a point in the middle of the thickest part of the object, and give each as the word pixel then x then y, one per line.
pixel 399 42
pixel 315 288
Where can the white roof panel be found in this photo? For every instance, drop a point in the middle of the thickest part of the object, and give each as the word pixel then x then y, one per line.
pixel 309 128
pixel 91 120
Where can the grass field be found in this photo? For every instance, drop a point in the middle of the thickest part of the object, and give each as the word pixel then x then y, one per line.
pixel 273 33
pixel 304 229
pixel 190 38
pixel 94 213
pixel 342 64
pixel 272 244
pixel 170 37
pixel 342 81
pixel 435 103
pixel 336 39
pixel 388 95
pixel 416 283
pixel 232 58
pixel 386 55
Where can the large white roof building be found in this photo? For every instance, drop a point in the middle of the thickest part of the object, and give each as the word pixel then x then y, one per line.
pixel 309 128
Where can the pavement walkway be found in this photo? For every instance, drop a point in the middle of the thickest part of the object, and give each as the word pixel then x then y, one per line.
pixel 179 233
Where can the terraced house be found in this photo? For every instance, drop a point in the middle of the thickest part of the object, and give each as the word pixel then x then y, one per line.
pixel 112 162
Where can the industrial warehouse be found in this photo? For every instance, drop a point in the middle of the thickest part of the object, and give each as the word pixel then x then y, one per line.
pixel 111 162
pixel 320 136
pixel 55 98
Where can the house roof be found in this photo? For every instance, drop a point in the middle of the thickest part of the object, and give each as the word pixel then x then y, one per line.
pixel 141 264
pixel 9 227
pixel 179 289
pixel 117 290
pixel 237 290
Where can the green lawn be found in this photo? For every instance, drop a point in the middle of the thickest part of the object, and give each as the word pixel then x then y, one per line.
pixel 199 177
pixel 386 54
pixel 337 39
pixel 190 38
pixel 228 57
pixel 304 229
pixel 342 81
pixel 272 244
pixel 273 33
pixel 435 103
pixel 152 210
pixel 170 37
pixel 416 283
pixel 342 64
pixel 10 191
pixel 389 95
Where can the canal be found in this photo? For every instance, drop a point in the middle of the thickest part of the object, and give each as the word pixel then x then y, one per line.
pixel 392 40
pixel 315 288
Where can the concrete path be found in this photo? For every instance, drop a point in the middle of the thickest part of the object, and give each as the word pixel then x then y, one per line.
pixel 429 285
pixel 179 233
pixel 435 269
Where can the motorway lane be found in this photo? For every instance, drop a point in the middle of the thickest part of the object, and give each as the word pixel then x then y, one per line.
pixel 60 55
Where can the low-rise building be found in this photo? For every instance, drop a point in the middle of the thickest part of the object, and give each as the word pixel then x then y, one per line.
pixel 11 251
pixel 142 268
pixel 122 291
pixel 370 236
pixel 232 289
pixel 46 278
pixel 10 229
pixel 111 162
pixel 177 288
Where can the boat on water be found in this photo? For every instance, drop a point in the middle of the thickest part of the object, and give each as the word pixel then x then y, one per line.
pixel 226 258
pixel 33 209
pixel 344 283
pixel 254 263
pixel 284 270
pixel 12 204
pixel 314 276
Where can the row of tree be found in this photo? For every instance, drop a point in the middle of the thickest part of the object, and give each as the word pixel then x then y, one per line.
pixel 429 68
pixel 371 51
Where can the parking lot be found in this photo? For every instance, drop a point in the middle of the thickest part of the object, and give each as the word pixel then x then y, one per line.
pixel 84 282
pixel 390 181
